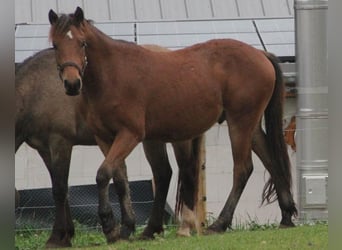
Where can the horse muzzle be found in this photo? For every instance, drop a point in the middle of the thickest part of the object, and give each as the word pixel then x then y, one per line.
pixel 73 88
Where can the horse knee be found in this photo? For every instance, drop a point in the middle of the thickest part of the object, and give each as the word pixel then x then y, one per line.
pixel 102 177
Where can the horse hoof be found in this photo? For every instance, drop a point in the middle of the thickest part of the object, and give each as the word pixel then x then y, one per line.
pixel 184 232
pixel 209 232
pixel 125 232
pixel 288 225
pixel 113 235
pixel 146 237
pixel 148 233
pixel 286 222
pixel 214 230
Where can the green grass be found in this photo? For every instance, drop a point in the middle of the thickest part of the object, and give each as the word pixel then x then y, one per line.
pixel 263 237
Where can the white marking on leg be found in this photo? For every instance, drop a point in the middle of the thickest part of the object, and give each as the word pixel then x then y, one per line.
pixel 188 222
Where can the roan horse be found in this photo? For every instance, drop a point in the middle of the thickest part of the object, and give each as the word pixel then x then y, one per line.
pixel 51 122
pixel 130 94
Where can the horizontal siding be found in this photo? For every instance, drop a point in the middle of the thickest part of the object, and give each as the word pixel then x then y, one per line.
pixel 277 35
pixel 36 11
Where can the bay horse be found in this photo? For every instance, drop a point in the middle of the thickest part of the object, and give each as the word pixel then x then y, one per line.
pixel 130 94
pixel 51 122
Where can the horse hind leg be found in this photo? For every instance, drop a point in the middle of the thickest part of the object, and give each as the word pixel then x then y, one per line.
pixel 57 161
pixel 276 183
pixel 188 155
pixel 157 157
pixel 240 132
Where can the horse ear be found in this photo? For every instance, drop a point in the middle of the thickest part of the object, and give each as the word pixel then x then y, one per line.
pixel 52 17
pixel 79 16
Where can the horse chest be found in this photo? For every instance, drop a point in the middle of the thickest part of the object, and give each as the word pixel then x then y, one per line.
pixel 110 120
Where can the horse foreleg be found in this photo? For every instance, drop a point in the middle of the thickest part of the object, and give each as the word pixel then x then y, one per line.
pixel 122 189
pixel 285 199
pixel 242 170
pixel 127 213
pixel 57 161
pixel 156 155
pixel 123 144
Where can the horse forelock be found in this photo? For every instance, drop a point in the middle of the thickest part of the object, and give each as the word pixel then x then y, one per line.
pixel 62 26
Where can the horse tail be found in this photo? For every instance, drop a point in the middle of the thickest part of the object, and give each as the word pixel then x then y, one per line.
pixel 274 135
pixel 197 154
pixel 179 199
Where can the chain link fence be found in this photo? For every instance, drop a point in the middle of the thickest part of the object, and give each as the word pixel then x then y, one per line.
pixel 36 208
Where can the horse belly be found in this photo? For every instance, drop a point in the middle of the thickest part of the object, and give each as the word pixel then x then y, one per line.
pixel 180 124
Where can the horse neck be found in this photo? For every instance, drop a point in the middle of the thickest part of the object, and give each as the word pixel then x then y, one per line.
pixel 96 40
pixel 103 52
pixel 101 44
pixel 98 47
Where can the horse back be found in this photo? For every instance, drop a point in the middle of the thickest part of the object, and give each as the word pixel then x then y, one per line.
pixel 194 84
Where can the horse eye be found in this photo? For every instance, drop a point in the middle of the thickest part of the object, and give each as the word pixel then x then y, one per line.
pixel 84 44
pixel 54 46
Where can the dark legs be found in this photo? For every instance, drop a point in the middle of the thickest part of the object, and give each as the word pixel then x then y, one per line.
pixel 113 167
pixel 110 227
pixel 285 199
pixel 241 147
pixel 156 155
pixel 243 167
pixel 120 180
pixel 57 160
pixel 127 214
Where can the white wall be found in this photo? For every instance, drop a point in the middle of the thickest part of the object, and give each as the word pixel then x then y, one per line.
pixel 30 172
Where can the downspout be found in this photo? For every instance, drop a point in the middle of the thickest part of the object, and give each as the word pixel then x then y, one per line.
pixel 312 108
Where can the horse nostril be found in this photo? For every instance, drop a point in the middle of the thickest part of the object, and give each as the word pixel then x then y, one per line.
pixel 66 84
pixel 78 84
pixel 72 87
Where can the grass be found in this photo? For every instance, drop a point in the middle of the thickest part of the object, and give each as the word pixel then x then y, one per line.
pixel 307 236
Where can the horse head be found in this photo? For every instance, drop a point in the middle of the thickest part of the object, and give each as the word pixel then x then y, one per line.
pixel 68 40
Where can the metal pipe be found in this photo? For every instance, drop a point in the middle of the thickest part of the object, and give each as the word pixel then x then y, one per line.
pixel 312 108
